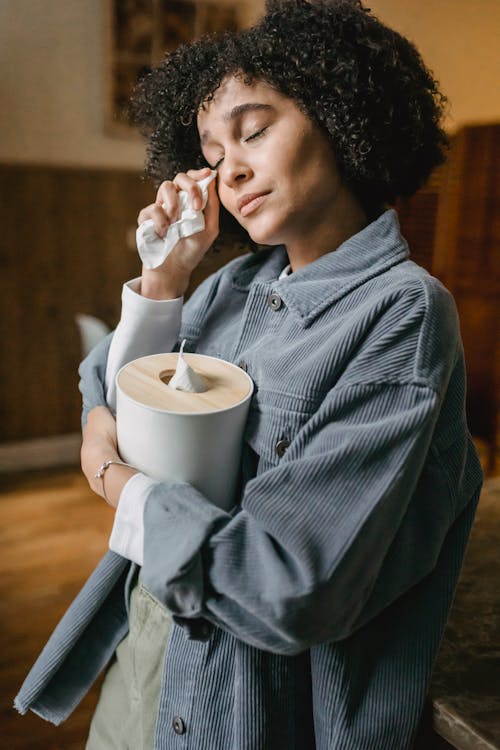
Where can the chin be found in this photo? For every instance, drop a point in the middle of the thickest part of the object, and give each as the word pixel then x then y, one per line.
pixel 265 233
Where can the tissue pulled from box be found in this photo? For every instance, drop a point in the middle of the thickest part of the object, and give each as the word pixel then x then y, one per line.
pixel 185 378
pixel 153 249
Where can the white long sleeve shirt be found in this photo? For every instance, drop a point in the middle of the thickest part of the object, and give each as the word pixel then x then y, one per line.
pixel 146 327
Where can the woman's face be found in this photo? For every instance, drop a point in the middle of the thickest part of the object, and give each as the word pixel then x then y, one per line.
pixel 277 174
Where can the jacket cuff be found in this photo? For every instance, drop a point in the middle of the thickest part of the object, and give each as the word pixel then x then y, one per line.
pixel 178 519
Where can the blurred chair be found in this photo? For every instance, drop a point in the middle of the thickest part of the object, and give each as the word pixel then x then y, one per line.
pixel 92 330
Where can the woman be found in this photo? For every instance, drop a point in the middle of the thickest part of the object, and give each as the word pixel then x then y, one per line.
pixel 311 615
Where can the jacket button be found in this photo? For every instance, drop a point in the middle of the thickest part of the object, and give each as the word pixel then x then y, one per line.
pixel 205 631
pixel 281 446
pixel 243 365
pixel 178 725
pixel 274 301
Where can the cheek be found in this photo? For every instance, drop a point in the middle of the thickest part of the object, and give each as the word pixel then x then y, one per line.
pixel 292 169
pixel 225 198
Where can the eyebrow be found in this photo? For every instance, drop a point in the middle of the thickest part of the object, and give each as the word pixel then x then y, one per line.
pixel 238 111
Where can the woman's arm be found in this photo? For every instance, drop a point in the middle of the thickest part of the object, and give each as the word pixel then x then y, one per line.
pixel 146 326
pixel 92 370
pixel 100 445
pixel 150 323
pixel 353 516
pixel 152 304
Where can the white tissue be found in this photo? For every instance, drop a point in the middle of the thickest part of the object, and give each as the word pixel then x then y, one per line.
pixel 153 249
pixel 185 378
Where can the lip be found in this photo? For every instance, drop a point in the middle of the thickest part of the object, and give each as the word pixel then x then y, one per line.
pixel 249 202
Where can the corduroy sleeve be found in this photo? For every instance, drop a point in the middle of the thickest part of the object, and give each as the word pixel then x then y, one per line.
pixel 356 496
pixel 92 372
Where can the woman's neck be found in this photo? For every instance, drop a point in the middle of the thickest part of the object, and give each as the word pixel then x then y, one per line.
pixel 346 219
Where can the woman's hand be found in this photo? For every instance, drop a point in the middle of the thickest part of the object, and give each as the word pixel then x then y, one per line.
pixel 100 445
pixel 171 279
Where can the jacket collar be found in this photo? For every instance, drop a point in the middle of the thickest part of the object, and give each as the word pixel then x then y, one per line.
pixel 311 289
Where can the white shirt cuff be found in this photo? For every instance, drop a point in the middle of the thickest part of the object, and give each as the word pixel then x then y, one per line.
pixel 133 303
pixel 127 534
pixel 147 326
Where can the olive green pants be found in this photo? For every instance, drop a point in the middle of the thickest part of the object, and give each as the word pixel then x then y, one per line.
pixel 125 716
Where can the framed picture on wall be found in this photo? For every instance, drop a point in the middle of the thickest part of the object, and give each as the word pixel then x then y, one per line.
pixel 140 32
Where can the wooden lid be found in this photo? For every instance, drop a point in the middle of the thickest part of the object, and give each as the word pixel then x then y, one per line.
pixel 145 380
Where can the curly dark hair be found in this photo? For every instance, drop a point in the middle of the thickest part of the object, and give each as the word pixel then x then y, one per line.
pixel 364 84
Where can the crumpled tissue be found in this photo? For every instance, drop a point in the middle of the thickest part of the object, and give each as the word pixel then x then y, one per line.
pixel 153 249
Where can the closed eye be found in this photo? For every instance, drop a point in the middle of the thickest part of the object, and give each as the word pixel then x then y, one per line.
pixel 252 137
pixel 255 135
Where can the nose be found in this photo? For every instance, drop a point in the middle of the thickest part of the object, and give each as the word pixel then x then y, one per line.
pixel 234 170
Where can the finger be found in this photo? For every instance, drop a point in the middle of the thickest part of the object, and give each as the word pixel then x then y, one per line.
pixel 184 182
pixel 99 411
pixel 145 213
pixel 167 198
pixel 159 217
pixel 108 424
pixel 100 422
pixel 199 174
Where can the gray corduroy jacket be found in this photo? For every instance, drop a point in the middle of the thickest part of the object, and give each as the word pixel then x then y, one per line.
pixel 311 615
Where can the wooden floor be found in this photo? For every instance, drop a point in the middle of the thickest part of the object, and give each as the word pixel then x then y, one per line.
pixel 53 530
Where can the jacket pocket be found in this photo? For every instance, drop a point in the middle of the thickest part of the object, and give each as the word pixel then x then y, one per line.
pixel 273 422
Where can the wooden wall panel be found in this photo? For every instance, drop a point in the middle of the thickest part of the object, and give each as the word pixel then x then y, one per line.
pixel 453 227
pixel 479 319
pixel 467 243
pixel 467 259
pixel 418 215
pixel 63 251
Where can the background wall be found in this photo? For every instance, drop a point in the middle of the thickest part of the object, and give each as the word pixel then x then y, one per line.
pixel 75 190
pixel 458 40
pixel 53 85
pixel 52 73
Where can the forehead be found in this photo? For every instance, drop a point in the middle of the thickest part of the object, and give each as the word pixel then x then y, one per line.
pixel 233 92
